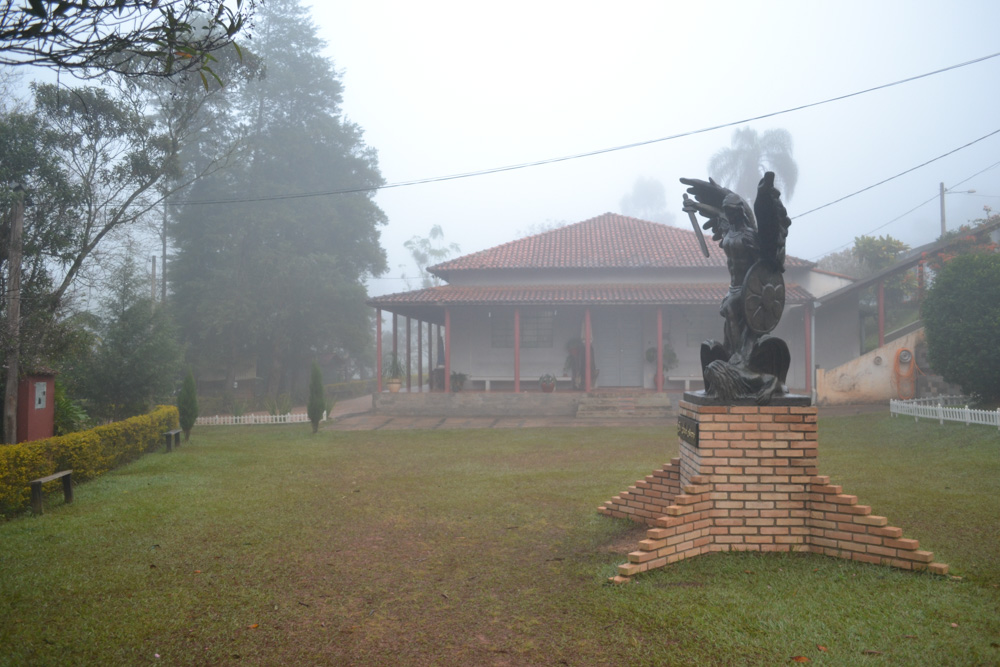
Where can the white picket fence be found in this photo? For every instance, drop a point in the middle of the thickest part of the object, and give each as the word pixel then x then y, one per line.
pixel 243 420
pixel 944 408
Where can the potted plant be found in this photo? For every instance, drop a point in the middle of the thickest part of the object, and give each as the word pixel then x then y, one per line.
pixel 548 383
pixel 669 356
pixel 458 380
pixel 393 370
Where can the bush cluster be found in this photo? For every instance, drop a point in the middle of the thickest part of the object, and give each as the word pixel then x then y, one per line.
pixel 87 453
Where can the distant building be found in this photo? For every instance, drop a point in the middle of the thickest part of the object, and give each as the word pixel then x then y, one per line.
pixel 512 313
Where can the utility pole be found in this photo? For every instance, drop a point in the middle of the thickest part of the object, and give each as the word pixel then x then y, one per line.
pixel 14 254
pixel 942 211
pixel 163 263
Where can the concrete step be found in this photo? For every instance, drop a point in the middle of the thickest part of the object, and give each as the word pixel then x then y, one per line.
pixel 623 404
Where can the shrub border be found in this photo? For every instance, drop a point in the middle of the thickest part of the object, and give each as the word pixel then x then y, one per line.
pixel 87 453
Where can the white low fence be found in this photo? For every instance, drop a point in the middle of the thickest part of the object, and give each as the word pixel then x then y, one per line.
pixel 945 408
pixel 242 420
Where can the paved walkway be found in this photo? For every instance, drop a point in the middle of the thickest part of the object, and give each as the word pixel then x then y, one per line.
pixel 356 414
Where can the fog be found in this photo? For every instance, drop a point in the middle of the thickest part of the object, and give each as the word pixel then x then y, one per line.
pixel 443 88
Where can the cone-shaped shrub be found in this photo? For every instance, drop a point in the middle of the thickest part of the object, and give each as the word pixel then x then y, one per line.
pixel 317 402
pixel 187 405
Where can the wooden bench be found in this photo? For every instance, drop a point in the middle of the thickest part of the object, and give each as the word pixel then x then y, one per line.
pixel 36 489
pixel 172 438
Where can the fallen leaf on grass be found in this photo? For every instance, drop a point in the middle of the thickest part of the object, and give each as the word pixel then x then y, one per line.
pixel 871 652
pixel 255 626
pixel 822 648
pixel 954 625
pixel 909 636
pixel 800 658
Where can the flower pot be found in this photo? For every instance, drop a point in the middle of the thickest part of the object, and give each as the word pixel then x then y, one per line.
pixel 548 387
pixel 394 384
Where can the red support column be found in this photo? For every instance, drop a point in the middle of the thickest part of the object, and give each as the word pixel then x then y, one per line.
pixel 395 336
pixel 659 349
pixel 517 350
pixel 447 349
pixel 420 355
pixel 807 316
pixel 407 355
pixel 881 313
pixel 378 350
pixel 586 350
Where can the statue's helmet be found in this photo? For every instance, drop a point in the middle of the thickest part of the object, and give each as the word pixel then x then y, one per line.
pixel 738 211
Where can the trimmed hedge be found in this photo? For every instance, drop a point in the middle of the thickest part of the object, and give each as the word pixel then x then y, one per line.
pixel 87 453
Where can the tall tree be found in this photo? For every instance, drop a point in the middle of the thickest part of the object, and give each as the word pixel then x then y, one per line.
pixel 126 37
pixel 741 166
pixel 647 201
pixel 427 251
pixel 268 277
pixel 135 358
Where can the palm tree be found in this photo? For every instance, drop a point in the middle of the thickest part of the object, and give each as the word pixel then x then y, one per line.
pixel 741 166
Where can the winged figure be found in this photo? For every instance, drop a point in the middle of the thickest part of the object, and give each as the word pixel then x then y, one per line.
pixel 748 363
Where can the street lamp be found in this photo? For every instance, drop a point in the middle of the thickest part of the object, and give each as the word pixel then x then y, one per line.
pixel 944 191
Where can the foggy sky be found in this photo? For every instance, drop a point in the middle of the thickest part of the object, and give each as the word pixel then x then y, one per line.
pixel 447 87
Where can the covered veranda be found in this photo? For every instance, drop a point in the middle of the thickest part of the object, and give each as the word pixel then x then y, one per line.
pixel 428 325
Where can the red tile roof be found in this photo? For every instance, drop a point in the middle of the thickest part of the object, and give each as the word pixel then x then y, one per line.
pixel 607 241
pixel 510 295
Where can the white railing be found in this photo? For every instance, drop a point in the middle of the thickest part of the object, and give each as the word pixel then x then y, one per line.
pixel 944 408
pixel 242 420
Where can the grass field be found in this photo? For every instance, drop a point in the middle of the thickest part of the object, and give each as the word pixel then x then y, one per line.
pixel 268 545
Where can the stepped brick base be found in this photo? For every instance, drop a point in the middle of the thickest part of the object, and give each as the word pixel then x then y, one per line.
pixel 751 484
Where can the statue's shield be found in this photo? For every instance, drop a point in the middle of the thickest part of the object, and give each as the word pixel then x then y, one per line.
pixel 763 297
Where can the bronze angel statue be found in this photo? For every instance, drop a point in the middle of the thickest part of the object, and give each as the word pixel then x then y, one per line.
pixel 749 363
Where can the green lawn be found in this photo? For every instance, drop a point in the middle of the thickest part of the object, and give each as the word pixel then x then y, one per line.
pixel 268 545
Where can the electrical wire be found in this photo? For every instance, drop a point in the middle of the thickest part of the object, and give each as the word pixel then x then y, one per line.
pixel 902 173
pixel 903 215
pixel 602 151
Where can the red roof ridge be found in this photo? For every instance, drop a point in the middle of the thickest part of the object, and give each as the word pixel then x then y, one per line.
pixel 607 241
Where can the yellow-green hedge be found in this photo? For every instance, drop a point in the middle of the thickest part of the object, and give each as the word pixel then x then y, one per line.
pixel 87 453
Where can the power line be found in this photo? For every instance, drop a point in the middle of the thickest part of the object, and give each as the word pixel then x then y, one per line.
pixel 902 173
pixel 576 156
pixel 903 215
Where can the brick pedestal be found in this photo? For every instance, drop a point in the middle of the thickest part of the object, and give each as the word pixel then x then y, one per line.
pixel 746 479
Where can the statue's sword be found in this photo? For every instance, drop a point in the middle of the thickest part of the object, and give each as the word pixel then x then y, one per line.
pixel 697 229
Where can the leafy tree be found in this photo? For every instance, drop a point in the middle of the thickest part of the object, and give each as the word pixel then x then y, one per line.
pixel 127 37
pixel 878 252
pixel 426 253
pixel 187 404
pixel 844 262
pixel 317 399
pixel 741 166
pixel 135 357
pixel 280 280
pixel 647 201
pixel 962 322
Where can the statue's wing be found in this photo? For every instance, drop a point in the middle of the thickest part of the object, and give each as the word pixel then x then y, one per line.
pixel 708 201
pixel 772 222
pixel 706 192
